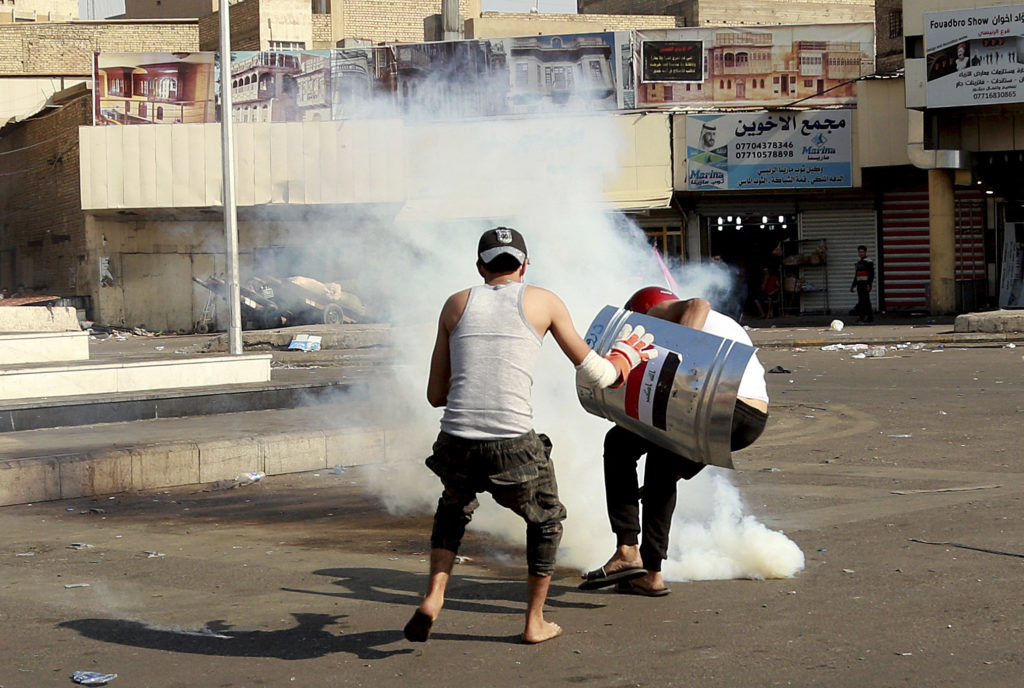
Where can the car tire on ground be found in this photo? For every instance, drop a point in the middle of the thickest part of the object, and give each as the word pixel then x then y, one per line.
pixel 334 315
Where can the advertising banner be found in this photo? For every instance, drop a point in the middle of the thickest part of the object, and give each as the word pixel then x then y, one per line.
pixel 792 150
pixel 278 86
pixel 753 65
pixel 153 88
pixel 1011 281
pixel 437 80
pixel 671 61
pixel 975 56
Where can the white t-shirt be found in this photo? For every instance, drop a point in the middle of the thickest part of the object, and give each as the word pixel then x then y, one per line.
pixel 752 384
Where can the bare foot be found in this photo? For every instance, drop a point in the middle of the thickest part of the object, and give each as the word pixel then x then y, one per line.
pixel 625 557
pixel 545 630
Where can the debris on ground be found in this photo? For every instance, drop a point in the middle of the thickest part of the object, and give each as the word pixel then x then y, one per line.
pixel 845 347
pixel 92 678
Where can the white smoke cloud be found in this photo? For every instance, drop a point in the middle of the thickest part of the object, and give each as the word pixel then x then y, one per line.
pixel 544 176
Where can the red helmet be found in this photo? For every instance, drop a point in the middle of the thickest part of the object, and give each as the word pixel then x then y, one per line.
pixel 649 297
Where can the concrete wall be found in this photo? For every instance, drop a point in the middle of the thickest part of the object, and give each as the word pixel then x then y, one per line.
pixel 390 21
pixel 498 25
pixel 166 9
pixel 245 28
pixel 301 186
pixel 763 12
pixel 42 239
pixel 38 10
pixel 880 124
pixel 663 7
pixel 39 319
pixel 24 96
pixel 739 12
pixel 313 163
pixel 323 32
pixel 286 20
pixel 179 166
pixel 888 36
pixel 66 49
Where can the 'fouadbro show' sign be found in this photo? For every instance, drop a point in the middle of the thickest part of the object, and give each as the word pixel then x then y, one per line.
pixel 975 56
pixel 769 150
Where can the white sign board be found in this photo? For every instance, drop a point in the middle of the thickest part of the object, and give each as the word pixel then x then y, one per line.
pixel 1011 282
pixel 769 150
pixel 975 56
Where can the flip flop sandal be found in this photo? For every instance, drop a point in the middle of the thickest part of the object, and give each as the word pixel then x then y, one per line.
pixel 599 578
pixel 630 588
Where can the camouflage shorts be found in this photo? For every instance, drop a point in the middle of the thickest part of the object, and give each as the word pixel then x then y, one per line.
pixel 517 472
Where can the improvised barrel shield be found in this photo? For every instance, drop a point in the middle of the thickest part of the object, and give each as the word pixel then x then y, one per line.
pixel 683 400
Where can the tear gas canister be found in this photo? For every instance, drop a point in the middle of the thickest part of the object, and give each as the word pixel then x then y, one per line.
pixel 683 399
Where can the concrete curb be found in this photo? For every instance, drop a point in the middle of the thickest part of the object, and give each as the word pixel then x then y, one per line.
pixel 174 464
pixel 950 338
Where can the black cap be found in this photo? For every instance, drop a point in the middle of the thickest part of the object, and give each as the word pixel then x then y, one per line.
pixel 500 240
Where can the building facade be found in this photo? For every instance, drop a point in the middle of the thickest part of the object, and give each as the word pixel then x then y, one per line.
pixel 30 11
pixel 149 195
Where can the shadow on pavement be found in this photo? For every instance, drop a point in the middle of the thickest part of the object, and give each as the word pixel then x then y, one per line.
pixel 307 640
pixel 466 593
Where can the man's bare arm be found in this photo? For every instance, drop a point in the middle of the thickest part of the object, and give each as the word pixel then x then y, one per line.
pixel 690 312
pixel 563 330
pixel 439 381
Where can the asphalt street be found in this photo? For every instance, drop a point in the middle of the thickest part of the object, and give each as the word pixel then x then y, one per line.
pixel 306 579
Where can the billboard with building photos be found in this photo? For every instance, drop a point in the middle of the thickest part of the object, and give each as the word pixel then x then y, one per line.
pixel 750 66
pixel 153 88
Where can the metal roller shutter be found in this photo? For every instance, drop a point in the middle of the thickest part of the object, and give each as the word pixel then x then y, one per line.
pixel 907 252
pixel 905 247
pixel 844 226
pixel 711 206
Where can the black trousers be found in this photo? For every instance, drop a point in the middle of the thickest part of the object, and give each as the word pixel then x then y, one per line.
pixel 863 309
pixel 622 452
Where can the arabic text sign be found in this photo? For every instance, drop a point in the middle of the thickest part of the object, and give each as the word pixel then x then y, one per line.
pixel 672 61
pixel 975 56
pixel 811 149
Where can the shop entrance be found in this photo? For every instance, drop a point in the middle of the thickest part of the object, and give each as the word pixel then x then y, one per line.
pixel 748 245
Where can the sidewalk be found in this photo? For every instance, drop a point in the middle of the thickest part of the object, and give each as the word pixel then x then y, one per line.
pixel 106 458
pixel 815 330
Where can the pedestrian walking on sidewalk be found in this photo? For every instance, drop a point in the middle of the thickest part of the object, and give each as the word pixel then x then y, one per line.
pixel 863 279
pixel 481 371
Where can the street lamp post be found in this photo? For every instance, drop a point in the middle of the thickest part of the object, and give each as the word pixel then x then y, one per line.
pixel 230 211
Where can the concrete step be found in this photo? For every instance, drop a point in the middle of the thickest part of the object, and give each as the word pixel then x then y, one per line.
pixel 35 381
pixel 107 458
pixel 289 387
pixel 43 347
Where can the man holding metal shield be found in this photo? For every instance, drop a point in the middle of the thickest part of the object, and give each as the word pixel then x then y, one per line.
pixel 635 568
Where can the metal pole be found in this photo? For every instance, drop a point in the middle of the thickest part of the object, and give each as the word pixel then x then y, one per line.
pixel 230 211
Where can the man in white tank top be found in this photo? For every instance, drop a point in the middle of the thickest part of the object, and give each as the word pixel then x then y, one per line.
pixel 481 371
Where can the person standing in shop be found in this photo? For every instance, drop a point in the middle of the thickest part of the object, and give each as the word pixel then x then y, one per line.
pixel 863 279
